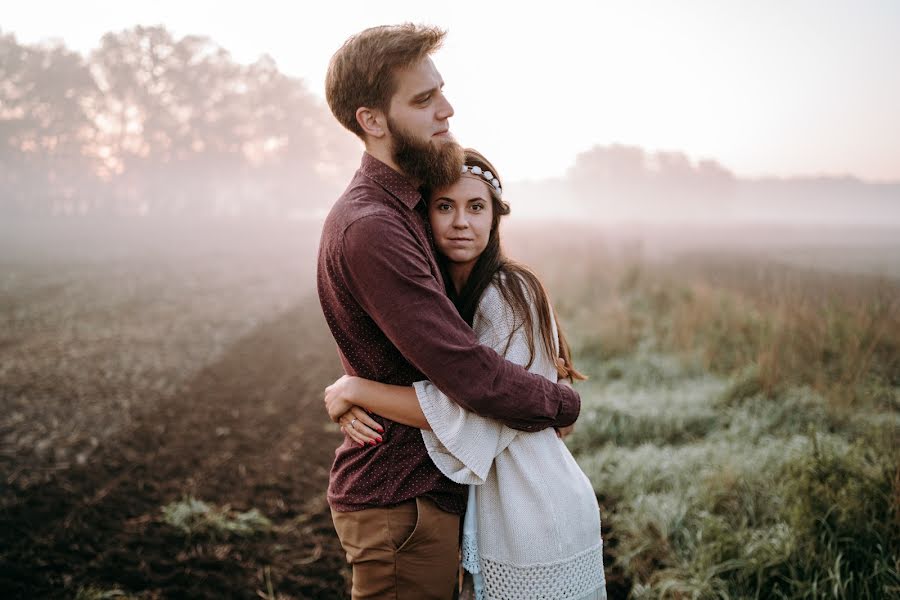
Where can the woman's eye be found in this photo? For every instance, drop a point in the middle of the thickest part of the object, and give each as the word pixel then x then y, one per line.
pixel 443 207
pixel 477 207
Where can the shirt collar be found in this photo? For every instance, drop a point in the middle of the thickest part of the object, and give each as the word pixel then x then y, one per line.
pixel 396 184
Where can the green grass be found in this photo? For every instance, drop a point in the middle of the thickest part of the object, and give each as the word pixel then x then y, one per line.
pixel 96 593
pixel 195 518
pixel 744 430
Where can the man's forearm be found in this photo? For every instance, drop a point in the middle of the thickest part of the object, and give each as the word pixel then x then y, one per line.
pixel 515 397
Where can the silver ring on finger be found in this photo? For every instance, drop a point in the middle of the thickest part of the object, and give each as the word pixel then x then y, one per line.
pixel 352 421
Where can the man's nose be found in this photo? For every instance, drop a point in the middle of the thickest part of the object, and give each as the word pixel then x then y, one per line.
pixel 445 110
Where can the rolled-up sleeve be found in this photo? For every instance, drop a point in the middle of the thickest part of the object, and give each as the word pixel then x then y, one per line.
pixel 461 444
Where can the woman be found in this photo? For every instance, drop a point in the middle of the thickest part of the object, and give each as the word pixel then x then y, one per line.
pixel 532 525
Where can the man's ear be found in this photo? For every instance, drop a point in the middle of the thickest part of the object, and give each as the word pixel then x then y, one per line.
pixel 372 121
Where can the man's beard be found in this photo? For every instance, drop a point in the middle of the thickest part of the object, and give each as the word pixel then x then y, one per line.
pixel 434 165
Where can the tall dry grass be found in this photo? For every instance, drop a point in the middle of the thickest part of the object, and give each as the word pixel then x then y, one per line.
pixel 741 422
pixel 838 334
pixel 775 325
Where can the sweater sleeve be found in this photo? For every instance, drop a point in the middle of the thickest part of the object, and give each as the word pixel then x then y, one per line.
pixel 462 444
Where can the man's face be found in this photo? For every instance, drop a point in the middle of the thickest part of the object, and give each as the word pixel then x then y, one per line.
pixel 419 106
pixel 419 126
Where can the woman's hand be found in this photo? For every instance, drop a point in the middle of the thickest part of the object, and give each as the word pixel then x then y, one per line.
pixel 361 428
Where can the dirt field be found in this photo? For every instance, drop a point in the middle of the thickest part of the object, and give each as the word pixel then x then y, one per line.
pixel 235 435
pixel 141 365
pixel 139 369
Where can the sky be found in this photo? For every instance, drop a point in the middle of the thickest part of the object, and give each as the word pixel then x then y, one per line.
pixel 767 88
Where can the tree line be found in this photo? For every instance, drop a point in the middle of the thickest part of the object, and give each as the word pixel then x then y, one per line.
pixel 150 124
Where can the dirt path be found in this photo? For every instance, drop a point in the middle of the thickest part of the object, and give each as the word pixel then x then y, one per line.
pixel 248 431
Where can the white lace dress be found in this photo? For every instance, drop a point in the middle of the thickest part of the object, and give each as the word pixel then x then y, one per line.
pixel 532 527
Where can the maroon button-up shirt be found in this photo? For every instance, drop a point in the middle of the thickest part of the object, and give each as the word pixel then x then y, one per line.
pixel 383 298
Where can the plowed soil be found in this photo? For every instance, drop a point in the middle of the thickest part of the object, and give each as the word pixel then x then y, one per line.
pixel 248 431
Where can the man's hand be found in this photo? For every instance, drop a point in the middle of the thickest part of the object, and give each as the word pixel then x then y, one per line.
pixel 562 432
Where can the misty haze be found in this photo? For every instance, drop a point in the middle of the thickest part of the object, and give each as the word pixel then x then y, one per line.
pixel 163 352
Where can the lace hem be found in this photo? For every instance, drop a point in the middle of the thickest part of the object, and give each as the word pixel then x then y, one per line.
pixel 470 554
pixel 580 577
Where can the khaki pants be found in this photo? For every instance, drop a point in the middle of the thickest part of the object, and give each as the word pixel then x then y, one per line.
pixel 408 551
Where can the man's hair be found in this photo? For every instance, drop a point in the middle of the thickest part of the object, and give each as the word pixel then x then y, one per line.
pixel 363 71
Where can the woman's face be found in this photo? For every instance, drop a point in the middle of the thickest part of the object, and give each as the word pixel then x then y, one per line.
pixel 460 216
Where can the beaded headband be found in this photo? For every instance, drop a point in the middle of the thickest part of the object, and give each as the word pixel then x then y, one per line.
pixel 487 175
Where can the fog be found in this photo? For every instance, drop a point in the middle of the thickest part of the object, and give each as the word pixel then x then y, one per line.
pixel 163 350
pixel 172 130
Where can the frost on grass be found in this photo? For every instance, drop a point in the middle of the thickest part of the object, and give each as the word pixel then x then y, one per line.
pixel 776 514
pixel 652 399
pixel 721 489
pixel 197 518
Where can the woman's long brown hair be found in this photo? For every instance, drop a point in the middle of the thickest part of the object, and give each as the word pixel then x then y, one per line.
pixel 519 286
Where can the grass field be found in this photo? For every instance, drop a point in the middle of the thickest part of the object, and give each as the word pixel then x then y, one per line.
pixel 742 424
pixel 161 430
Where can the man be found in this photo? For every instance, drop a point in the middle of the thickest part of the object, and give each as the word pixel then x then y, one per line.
pixel 383 297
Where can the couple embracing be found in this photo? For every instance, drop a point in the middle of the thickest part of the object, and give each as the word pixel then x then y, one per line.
pixel 458 388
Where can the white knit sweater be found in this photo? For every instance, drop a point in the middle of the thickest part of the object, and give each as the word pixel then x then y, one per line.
pixel 535 531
